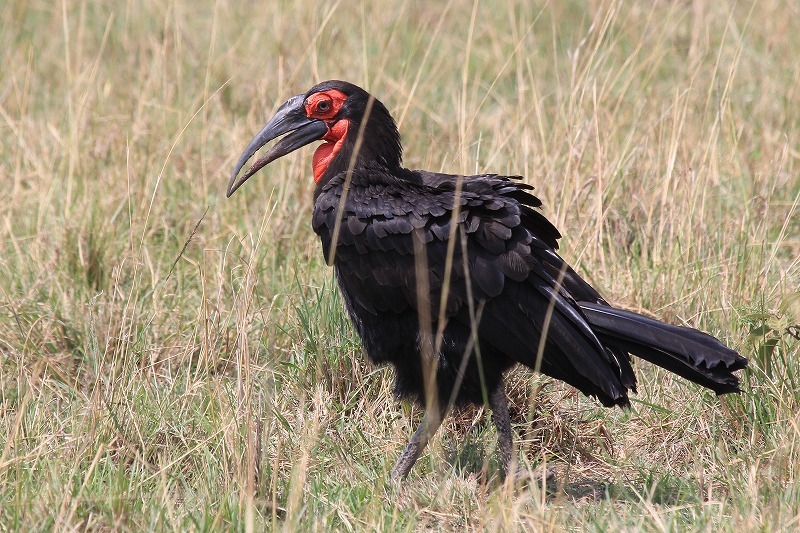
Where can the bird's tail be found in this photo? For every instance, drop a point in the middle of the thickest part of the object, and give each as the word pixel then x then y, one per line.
pixel 687 352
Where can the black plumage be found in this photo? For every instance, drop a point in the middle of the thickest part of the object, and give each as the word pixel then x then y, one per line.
pixel 457 277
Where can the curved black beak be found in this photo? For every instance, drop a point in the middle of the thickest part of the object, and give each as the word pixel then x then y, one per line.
pixel 290 117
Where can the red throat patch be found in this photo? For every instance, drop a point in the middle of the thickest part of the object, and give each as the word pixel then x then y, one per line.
pixel 328 150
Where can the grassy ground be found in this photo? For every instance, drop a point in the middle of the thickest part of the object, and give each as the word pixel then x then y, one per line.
pixel 170 359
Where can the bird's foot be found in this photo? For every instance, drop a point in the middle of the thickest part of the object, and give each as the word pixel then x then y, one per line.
pixel 544 477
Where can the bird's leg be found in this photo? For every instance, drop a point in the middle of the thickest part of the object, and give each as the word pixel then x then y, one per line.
pixel 505 445
pixel 426 429
pixel 505 442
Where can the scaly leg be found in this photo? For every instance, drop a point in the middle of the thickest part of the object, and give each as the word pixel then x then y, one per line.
pixel 427 428
pixel 505 442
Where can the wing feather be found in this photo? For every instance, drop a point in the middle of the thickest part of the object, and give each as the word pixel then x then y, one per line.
pixel 504 257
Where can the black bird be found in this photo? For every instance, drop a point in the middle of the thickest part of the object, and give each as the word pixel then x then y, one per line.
pixel 454 279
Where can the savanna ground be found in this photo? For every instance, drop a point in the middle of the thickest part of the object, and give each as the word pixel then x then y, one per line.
pixel 171 359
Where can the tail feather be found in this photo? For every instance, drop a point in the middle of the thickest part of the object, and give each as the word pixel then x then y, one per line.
pixel 687 352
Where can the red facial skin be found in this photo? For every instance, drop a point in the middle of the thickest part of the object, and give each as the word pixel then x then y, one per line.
pixel 325 106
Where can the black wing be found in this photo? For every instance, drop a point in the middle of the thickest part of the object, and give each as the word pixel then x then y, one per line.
pixel 503 259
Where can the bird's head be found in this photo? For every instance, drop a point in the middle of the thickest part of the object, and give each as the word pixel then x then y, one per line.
pixel 335 112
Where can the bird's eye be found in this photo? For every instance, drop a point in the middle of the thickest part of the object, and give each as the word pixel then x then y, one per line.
pixel 324 105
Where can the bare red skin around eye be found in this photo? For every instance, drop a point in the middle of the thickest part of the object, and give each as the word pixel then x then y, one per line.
pixel 336 99
pixel 337 131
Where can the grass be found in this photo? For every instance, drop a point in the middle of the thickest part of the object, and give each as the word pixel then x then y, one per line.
pixel 170 359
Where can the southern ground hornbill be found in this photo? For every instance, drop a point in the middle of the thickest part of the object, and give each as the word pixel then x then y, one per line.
pixel 455 279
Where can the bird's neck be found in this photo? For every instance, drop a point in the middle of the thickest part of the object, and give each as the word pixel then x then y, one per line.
pixel 379 148
pixel 330 149
pixel 334 161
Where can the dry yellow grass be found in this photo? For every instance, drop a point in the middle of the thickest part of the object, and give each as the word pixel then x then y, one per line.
pixel 170 359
